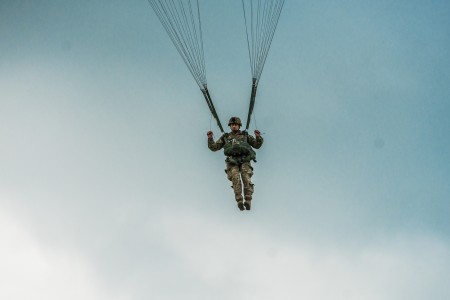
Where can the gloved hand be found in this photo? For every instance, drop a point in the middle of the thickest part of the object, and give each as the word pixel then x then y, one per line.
pixel 257 133
pixel 209 134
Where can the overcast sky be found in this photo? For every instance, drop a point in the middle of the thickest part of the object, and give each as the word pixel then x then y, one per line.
pixel 108 189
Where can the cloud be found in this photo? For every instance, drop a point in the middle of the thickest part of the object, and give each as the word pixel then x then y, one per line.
pixel 239 261
pixel 31 270
pixel 191 255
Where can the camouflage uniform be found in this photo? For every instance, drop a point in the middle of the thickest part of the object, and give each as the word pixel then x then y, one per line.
pixel 237 167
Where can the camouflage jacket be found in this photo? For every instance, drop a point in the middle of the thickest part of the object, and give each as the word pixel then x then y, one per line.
pixel 239 136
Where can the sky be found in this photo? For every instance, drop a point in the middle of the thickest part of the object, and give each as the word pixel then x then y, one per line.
pixel 108 189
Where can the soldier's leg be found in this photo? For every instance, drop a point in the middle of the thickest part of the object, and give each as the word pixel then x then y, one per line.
pixel 234 176
pixel 247 173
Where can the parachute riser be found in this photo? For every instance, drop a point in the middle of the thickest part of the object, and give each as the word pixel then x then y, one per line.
pixel 211 106
pixel 252 102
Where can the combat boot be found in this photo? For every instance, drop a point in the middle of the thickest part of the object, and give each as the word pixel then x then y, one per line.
pixel 239 201
pixel 248 205
pixel 248 202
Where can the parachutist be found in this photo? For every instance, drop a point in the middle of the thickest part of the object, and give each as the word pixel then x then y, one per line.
pixel 261 20
pixel 238 148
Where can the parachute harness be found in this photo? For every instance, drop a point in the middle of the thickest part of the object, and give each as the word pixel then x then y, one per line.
pixel 182 22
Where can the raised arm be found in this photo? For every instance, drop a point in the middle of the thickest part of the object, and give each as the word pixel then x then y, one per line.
pixel 257 141
pixel 215 146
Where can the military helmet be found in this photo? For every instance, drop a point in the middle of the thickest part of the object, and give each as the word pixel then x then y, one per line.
pixel 235 120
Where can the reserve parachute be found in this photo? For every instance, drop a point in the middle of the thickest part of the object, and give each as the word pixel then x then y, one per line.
pixel 182 22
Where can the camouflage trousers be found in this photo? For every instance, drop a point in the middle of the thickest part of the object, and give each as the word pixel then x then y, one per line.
pixel 235 173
